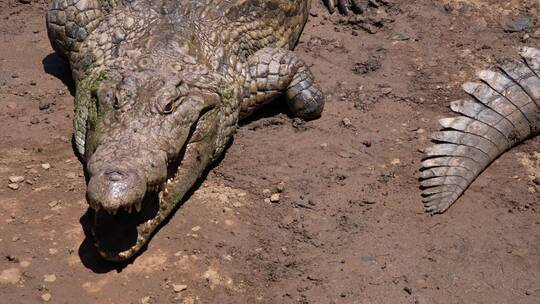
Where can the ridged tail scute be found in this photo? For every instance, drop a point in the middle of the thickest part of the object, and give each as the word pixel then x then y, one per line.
pixel 504 110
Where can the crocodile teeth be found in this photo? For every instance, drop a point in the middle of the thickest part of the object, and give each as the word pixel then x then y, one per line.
pixel 112 211
pixel 138 206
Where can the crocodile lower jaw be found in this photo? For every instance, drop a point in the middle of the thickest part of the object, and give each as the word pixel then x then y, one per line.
pixel 120 234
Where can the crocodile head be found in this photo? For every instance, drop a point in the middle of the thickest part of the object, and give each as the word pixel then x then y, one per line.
pixel 154 131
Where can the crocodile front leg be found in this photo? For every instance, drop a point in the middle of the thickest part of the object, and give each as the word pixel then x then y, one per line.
pixel 276 72
pixel 345 6
pixel 69 22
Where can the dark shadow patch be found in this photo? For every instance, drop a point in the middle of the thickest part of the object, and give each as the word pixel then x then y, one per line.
pixel 58 67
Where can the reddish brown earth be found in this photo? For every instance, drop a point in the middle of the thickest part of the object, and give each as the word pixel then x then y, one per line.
pixel 349 227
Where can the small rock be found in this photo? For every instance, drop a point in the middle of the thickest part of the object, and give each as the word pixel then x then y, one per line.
pixel 49 278
pixel 53 203
pixel 46 166
pixel 10 276
pixel 518 24
pixel 386 91
pixel 46 297
pixel 71 175
pixel 267 200
pixel 179 287
pixel 13 186
pixel 367 143
pixel 346 122
pixel 44 105
pixel 25 264
pixel 53 251
pixel 396 161
pixel 34 120
pixel 536 180
pixel 16 179
pixel 266 191
pixel 145 300
pixel 196 228
pixel 280 187
pixel 274 198
pixel 324 145
pixel 407 289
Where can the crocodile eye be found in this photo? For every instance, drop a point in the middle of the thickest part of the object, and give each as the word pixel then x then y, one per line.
pixel 168 108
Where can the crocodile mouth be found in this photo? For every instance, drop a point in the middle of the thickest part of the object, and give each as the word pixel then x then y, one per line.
pixel 120 232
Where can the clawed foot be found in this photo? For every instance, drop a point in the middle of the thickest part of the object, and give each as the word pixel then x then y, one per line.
pixel 356 6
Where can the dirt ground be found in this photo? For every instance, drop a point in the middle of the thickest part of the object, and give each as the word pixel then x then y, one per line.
pixel 349 227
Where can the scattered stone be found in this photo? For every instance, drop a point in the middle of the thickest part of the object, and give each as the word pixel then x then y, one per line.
pixel 237 204
pixel 522 23
pixel 274 198
pixel 53 203
pixel 53 251
pixel 179 287
pixel 13 186
pixel 44 105
pixel 196 228
pixel 396 161
pixel 34 120
pixel 49 278
pixel 386 90
pixel 46 166
pixel 267 200
pixel 10 276
pixel 16 179
pixel 46 297
pixel 324 145
pixel 407 289
pixel 346 122
pixel 280 187
pixel 266 191
pixel 25 264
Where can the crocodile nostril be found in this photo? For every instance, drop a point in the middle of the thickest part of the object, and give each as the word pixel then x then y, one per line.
pixel 114 176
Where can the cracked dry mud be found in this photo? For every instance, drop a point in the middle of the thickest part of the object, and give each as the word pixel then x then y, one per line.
pixel 348 225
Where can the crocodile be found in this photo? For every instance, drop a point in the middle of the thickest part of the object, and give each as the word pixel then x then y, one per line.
pixel 160 88
pixel 503 110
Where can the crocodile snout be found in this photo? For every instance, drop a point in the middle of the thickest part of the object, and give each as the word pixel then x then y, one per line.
pixel 113 188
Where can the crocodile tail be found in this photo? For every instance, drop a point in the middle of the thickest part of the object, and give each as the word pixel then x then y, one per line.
pixel 504 110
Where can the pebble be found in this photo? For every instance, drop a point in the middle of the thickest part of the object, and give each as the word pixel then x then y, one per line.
pixel 196 228
pixel 46 297
pixel 179 287
pixel 274 198
pixel 396 161
pixel 280 187
pixel 346 122
pixel 13 186
pixel 267 200
pixel 49 278
pixel 34 120
pixel 46 166
pixel 10 276
pixel 145 300
pixel 266 191
pixel 16 179
pixel 53 203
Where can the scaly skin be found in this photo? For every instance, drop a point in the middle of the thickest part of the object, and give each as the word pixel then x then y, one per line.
pixel 161 86
pixel 504 110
